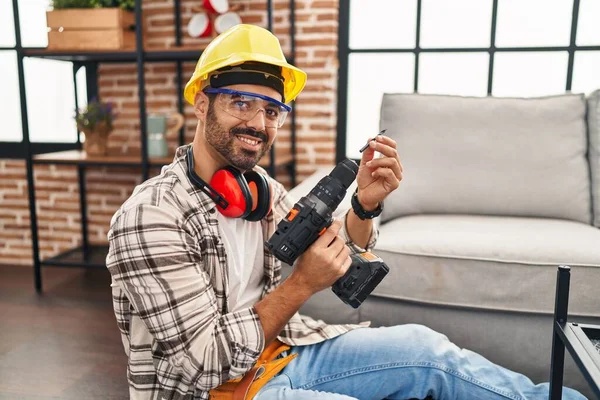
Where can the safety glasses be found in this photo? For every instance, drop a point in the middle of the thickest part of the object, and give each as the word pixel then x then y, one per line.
pixel 245 106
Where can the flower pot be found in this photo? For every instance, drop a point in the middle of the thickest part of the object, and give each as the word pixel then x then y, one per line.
pixel 96 139
pixel 91 29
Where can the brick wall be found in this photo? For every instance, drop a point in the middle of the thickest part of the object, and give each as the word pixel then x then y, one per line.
pixel 56 186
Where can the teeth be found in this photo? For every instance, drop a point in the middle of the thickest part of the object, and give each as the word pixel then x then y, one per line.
pixel 249 141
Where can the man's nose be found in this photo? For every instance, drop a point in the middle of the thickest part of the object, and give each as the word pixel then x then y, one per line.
pixel 258 121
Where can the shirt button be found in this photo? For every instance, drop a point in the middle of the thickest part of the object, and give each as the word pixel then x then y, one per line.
pixel 212 210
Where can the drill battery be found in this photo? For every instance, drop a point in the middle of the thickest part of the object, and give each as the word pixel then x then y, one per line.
pixel 364 274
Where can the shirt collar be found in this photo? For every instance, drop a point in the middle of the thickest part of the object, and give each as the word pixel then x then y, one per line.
pixel 206 203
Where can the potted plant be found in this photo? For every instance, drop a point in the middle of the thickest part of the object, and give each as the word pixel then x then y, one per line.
pixel 96 122
pixel 91 25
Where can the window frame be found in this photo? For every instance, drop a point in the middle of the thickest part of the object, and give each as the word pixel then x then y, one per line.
pixel 344 52
pixel 25 148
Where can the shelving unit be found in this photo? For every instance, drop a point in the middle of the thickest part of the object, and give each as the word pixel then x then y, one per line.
pixel 576 337
pixel 79 157
pixel 93 256
pixel 179 54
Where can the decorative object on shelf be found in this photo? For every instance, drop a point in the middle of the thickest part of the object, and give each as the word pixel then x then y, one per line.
pixel 91 25
pixel 158 132
pixel 226 21
pixel 199 25
pixel 96 122
pixel 216 6
pixel 213 17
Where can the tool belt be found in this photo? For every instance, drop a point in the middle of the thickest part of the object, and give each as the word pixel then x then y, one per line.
pixel 265 368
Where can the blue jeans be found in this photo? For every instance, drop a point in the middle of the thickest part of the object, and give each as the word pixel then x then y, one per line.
pixel 399 362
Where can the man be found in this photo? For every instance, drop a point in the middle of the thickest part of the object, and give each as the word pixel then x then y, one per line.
pixel 198 299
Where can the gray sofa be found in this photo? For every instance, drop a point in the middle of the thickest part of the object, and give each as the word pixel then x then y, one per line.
pixel 496 194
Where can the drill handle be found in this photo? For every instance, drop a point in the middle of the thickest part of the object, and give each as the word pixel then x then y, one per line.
pixel 297 231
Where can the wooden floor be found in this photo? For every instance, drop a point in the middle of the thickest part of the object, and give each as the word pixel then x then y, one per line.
pixel 62 344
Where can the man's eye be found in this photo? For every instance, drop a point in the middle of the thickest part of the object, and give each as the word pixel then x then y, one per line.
pixel 273 112
pixel 240 104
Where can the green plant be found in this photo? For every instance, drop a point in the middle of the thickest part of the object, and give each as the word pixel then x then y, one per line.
pixel 64 4
pixel 96 115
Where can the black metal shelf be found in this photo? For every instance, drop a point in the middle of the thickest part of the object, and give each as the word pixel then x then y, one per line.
pixel 583 352
pixel 80 158
pixel 166 55
pixel 94 256
pixel 575 337
pixel 71 154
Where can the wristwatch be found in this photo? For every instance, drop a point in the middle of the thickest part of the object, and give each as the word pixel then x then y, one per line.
pixel 361 212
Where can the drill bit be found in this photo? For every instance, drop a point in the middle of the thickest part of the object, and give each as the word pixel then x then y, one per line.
pixel 367 145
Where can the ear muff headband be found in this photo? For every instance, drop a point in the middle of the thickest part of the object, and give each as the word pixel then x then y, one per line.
pixel 200 184
pixel 263 195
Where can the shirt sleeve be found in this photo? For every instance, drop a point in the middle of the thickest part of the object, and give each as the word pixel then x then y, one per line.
pixel 158 264
pixel 284 202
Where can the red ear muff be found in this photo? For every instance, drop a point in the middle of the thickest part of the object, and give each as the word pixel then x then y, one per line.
pixel 260 190
pixel 253 194
pixel 230 184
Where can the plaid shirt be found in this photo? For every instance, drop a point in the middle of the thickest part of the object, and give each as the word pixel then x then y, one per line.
pixel 170 288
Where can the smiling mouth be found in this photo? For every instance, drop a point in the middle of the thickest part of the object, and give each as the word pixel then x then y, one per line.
pixel 251 142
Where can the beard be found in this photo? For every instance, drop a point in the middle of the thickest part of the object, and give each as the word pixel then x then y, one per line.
pixel 225 142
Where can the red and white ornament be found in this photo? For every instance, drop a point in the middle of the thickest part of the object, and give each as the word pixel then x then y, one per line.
pixel 199 25
pixel 226 21
pixel 216 6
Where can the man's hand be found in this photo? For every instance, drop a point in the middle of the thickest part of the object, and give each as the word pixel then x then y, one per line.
pixel 378 177
pixel 324 262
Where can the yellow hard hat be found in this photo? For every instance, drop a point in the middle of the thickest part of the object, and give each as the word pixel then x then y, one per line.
pixel 240 44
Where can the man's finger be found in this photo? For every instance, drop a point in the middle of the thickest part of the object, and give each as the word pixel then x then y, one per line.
pixel 387 140
pixel 389 177
pixel 344 252
pixel 330 234
pixel 386 162
pixel 337 245
pixel 345 266
pixel 384 149
pixel 367 155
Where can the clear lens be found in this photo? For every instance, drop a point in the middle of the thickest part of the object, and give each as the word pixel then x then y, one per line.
pixel 245 107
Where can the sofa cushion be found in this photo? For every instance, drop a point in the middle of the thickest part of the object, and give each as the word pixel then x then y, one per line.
pixel 493 156
pixel 499 263
pixel 593 113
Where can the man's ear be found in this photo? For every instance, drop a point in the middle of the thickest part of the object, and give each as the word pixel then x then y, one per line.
pixel 201 105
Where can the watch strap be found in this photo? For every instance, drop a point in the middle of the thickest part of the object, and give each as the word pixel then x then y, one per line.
pixel 361 212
